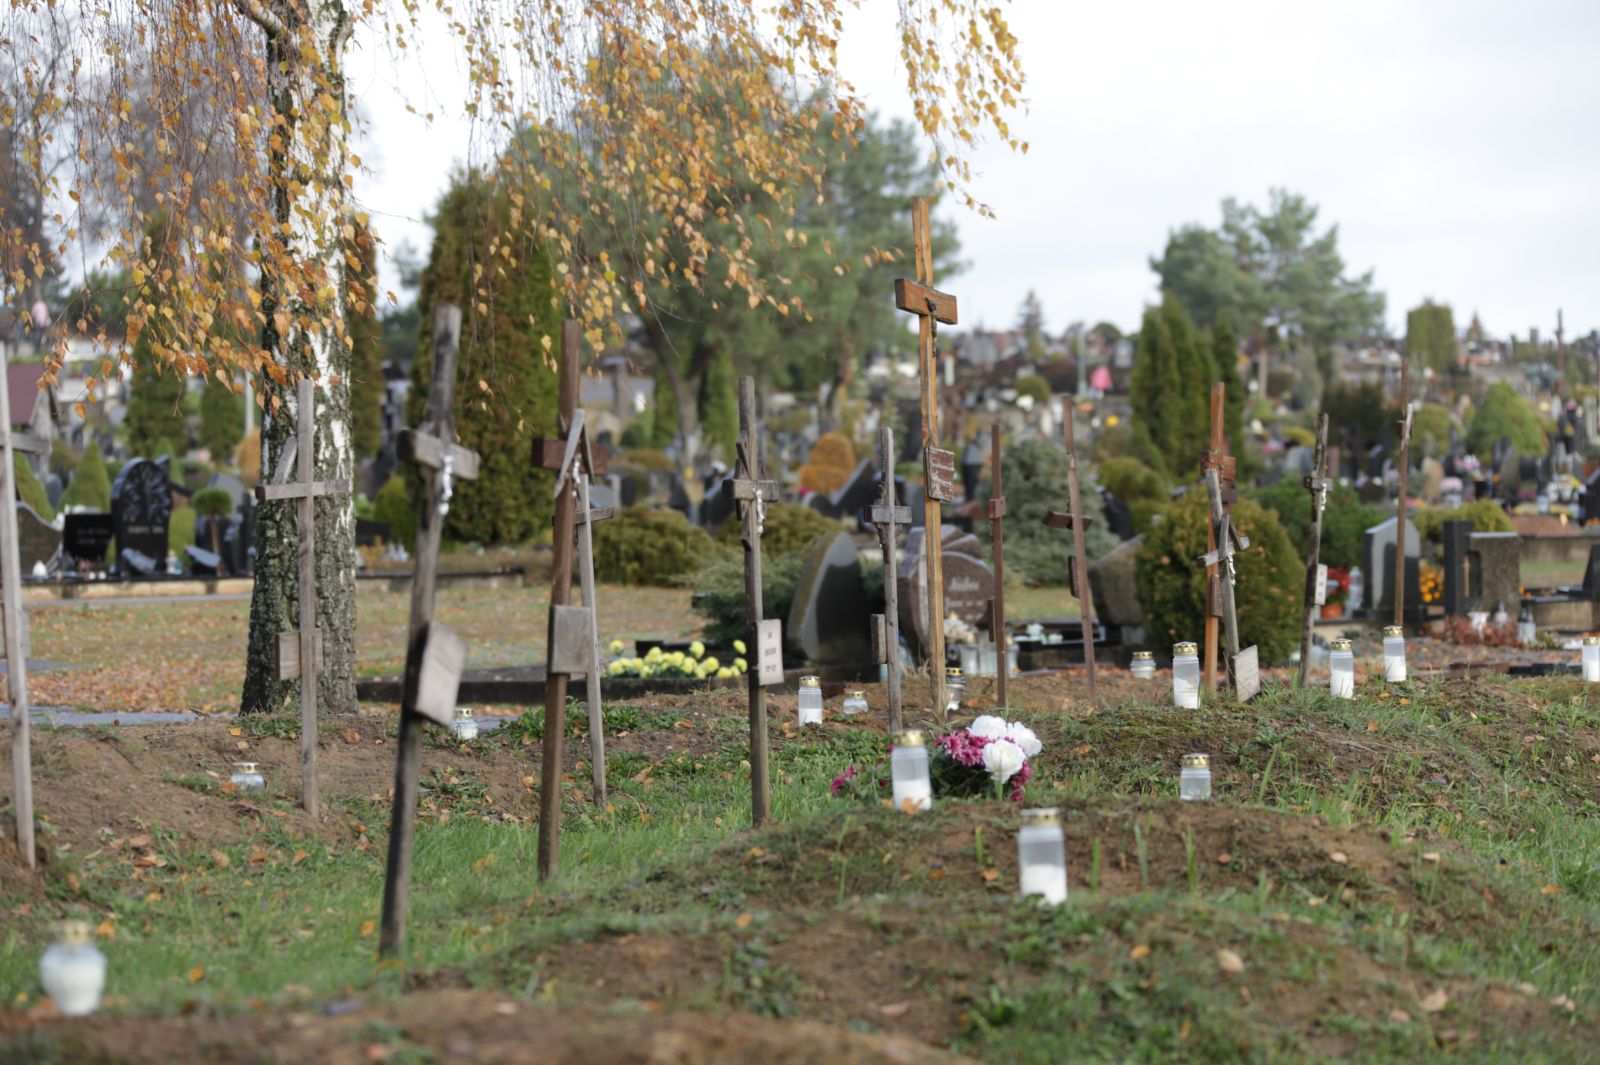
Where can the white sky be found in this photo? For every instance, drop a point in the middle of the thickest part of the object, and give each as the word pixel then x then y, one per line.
pixel 1454 143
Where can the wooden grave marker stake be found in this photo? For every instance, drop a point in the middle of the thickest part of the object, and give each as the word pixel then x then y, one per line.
pixel 596 461
pixel 435 655
pixel 752 492
pixel 1078 571
pixel 1317 484
pixel 1405 469
pixel 14 619
pixel 300 651
pixel 1216 458
pixel 931 306
pixel 997 605
pixel 886 516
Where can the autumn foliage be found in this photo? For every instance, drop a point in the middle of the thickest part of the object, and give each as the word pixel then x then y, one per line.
pixel 833 460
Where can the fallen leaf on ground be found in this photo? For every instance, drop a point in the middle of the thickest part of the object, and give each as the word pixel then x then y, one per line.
pixel 197 974
pixel 1339 856
pixel 1431 856
pixel 743 920
pixel 1435 1001
pixel 106 929
pixel 1140 951
pixel 1399 1016
pixel 352 736
pixel 1224 858
pixel 1550 889
pixel 368 927
pixel 991 875
pixel 300 856
pixel 1229 962
pixel 893 1009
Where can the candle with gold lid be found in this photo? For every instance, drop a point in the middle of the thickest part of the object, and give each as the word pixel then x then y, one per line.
pixel 1144 665
pixel 1042 855
pixel 464 725
pixel 810 702
pixel 1394 654
pixel 1341 670
pixel 1591 659
pixel 247 776
pixel 1186 675
pixel 854 703
pixel 1194 778
pixel 908 769
pixel 73 971
pixel 955 687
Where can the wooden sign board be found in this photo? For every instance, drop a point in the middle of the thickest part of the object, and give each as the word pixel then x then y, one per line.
pixel 1319 596
pixel 439 680
pixel 1246 675
pixel 289 654
pixel 769 652
pixel 880 638
pixel 571 639
pixel 941 474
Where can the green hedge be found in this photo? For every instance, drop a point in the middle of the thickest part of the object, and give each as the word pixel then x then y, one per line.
pixel 1485 514
pixel 1343 522
pixel 788 527
pixel 648 546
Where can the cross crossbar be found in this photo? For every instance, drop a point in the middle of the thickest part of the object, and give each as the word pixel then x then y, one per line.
pixel 917 298
pixel 29 443
pixel 1060 519
pixel 879 514
pixel 301 489
pixel 424 449
pixel 745 490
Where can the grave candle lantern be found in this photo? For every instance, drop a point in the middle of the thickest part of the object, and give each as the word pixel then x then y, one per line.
pixel 1591 659
pixel 1042 855
pixel 1186 676
pixel 1194 778
pixel 955 686
pixel 1342 670
pixel 1144 665
pixel 1394 654
pixel 855 703
pixel 908 769
pixel 1527 631
pixel 247 777
pixel 464 725
pixel 73 971
pixel 810 700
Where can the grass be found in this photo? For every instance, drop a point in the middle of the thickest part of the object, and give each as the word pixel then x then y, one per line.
pixel 1468 813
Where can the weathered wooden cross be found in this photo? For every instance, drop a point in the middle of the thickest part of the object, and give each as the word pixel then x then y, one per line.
pixel 1317 483
pixel 595 462
pixel 300 650
pixel 14 619
pixel 1246 674
pixel 1405 469
pixel 931 306
pixel 886 516
pixel 1078 574
pixel 1216 458
pixel 435 656
pixel 997 605
pixel 765 637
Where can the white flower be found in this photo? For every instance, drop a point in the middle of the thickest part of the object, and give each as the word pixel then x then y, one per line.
pixel 988 727
pixel 1003 759
pixel 1023 737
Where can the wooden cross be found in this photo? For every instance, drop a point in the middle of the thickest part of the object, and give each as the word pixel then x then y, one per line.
pixel 886 517
pixel 1216 458
pixel 1075 519
pixel 14 619
pixel 1246 674
pixel 300 650
pixel 1405 469
pixel 595 462
pixel 752 493
pixel 997 605
pixel 1317 484
pixel 435 656
pixel 931 306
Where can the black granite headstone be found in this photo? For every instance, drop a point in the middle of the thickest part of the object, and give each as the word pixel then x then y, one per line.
pixel 87 537
pixel 828 621
pixel 203 563
pixel 141 504
pixel 371 533
pixel 1457 553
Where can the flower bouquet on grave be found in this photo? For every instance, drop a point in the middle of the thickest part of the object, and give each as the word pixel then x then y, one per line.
pixel 1338 593
pixel 695 664
pixel 991 756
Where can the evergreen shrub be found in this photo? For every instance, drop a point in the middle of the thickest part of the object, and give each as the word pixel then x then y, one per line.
pixel 642 545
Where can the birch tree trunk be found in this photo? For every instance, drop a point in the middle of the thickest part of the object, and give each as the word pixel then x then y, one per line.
pixel 303 281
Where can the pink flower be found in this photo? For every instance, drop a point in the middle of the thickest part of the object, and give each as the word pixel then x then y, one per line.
pixel 839 781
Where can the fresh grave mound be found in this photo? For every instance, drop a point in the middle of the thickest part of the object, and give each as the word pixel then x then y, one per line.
pixel 455 1026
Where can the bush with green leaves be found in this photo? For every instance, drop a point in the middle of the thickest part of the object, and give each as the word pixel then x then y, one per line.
pixel 788 527
pixel 1035 475
pixel 1171 579
pixel 1343 522
pixel 29 490
pixel 1034 387
pixel 719 592
pixel 180 530
pixel 642 545
pixel 395 508
pixel 91 484
pixel 1505 414
pixel 1144 490
pixel 1485 514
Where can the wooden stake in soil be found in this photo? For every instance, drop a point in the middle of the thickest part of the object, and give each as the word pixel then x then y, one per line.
pixel 1317 484
pixel 997 606
pixel 752 493
pixel 1078 577
pixel 435 655
pixel 300 651
pixel 1216 458
pixel 1405 469
pixel 931 306
pixel 887 517
pixel 14 619
pixel 587 516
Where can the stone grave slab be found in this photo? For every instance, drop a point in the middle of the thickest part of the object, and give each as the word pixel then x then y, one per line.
pixel 1376 545
pixel 1497 575
pixel 141 505
pixel 86 536
pixel 37 540
pixel 968 582
pixel 1111 580
pixel 828 621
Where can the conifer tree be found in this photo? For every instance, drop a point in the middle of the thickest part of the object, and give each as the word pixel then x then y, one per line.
pixel 221 420
pixel 367 385
pixel 91 485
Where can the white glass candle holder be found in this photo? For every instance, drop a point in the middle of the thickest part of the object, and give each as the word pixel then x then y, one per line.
pixel 1144 665
pixel 908 769
pixel 1479 619
pixel 1042 855
pixel 1394 654
pixel 1011 658
pixel 1527 631
pixel 73 971
pixel 1342 670
pixel 247 777
pixel 464 725
pixel 854 703
pixel 1194 778
pixel 955 690
pixel 1186 676
pixel 810 701
pixel 1591 659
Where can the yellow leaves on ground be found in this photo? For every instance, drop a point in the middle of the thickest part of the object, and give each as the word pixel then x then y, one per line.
pixel 197 974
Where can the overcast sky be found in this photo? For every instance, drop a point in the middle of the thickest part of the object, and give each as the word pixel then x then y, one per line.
pixel 1455 144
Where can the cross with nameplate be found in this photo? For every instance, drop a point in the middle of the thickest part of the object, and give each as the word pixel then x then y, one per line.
pixel 1216 458
pixel 752 492
pixel 886 516
pixel 300 650
pixel 1317 483
pixel 1244 664
pixel 931 307
pixel 14 620
pixel 1078 573
pixel 435 655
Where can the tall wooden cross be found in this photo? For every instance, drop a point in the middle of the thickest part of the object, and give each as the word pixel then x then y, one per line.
pixel 596 463
pixel 435 655
pixel 300 650
pixel 14 620
pixel 1405 469
pixel 1075 519
pixel 997 605
pixel 886 516
pixel 1317 483
pixel 931 306
pixel 1243 664
pixel 1216 458
pixel 753 493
